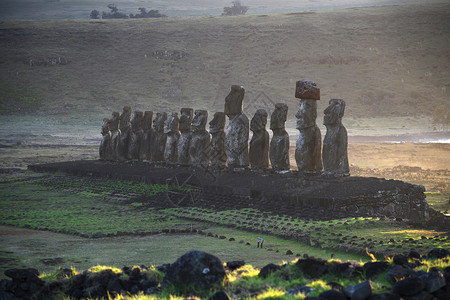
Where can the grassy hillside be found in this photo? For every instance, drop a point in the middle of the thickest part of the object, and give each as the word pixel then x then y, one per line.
pixel 384 61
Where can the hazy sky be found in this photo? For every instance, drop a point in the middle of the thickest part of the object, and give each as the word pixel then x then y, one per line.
pixel 67 9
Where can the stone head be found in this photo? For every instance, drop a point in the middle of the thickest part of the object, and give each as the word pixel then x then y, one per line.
pixel 136 123
pixel 259 120
pixel 186 119
pixel 158 122
pixel 306 114
pixel 148 119
pixel 279 116
pixel 234 101
pixel 106 126
pixel 306 89
pixel 199 121
pixel 125 118
pixel 334 112
pixel 217 124
pixel 172 123
pixel 115 121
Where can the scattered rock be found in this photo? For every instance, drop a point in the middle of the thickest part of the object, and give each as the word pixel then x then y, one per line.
pixel 312 267
pixel 332 295
pixel 374 268
pixel 434 281
pixel 438 253
pixel 400 259
pixel 408 286
pixel 358 292
pixel 220 295
pixel 265 271
pixel 235 264
pixel 398 272
pixel 289 252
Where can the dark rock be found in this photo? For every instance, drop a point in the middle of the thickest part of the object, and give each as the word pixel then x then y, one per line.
pixel 409 286
pixel 421 296
pixel 222 237
pixel 358 292
pixel 235 264
pixel 385 296
pixel 438 253
pixel 8 296
pixel 447 274
pixel 398 272
pixel 374 268
pixel 220 295
pixel 414 254
pixel 114 285
pixel 312 267
pixel 22 274
pixel 434 281
pixel 231 239
pixel 400 259
pixel 307 89
pixel 332 295
pixel 289 252
pixel 196 268
pixel 266 270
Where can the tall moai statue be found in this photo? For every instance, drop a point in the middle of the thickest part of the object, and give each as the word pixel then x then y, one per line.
pixel 115 135
pixel 186 134
pixel 172 131
pixel 216 129
pixel 145 152
pixel 136 134
pixel 279 145
pixel 309 143
pixel 125 131
pixel 199 148
pixel 237 132
pixel 159 141
pixel 334 154
pixel 105 145
pixel 259 144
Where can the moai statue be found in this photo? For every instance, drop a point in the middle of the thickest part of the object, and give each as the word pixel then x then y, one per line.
pixel 171 129
pixel 216 129
pixel 186 134
pixel 309 143
pixel 279 145
pixel 145 152
pixel 334 154
pixel 115 135
pixel 159 141
pixel 105 145
pixel 259 144
pixel 125 130
pixel 237 132
pixel 136 134
pixel 199 147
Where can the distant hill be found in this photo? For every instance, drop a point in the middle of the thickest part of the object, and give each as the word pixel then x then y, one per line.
pixel 384 61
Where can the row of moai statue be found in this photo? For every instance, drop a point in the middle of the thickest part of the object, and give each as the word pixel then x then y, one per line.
pixel 186 141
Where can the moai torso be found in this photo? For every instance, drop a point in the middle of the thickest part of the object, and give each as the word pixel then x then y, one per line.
pixel 145 152
pixel 216 129
pixel 171 129
pixel 105 145
pixel 159 141
pixel 115 135
pixel 186 135
pixel 334 154
pixel 136 135
pixel 237 132
pixel 279 145
pixel 309 142
pixel 199 148
pixel 125 127
pixel 259 144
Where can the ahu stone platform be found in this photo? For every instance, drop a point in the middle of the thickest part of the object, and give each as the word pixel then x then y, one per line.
pixel 291 193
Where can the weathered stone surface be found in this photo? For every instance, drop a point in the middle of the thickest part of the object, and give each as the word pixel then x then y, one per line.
pixel 259 144
pixel 332 295
pixel 115 134
pixel 306 89
pixel 235 264
pixel 308 149
pixel 374 268
pixel 145 151
pixel 434 281
pixel 196 268
pixel 136 134
pixel 438 253
pixel 199 149
pixel 105 151
pixel 334 154
pixel 268 269
pixel 125 130
pixel 216 129
pixel 408 286
pixel 312 267
pixel 279 145
pixel 237 132
pixel 360 291
pixel 171 129
pixel 159 140
pixel 186 135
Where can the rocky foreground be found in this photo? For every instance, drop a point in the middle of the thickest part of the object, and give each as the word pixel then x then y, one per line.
pixel 198 273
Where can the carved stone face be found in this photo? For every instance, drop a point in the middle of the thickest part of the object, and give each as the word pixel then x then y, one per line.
pixel 306 114
pixel 136 123
pixel 217 123
pixel 172 123
pixel 125 118
pixel 234 101
pixel 158 122
pixel 279 116
pixel 199 122
pixel 186 119
pixel 114 121
pixel 259 120
pixel 148 119
pixel 334 112
pixel 106 126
